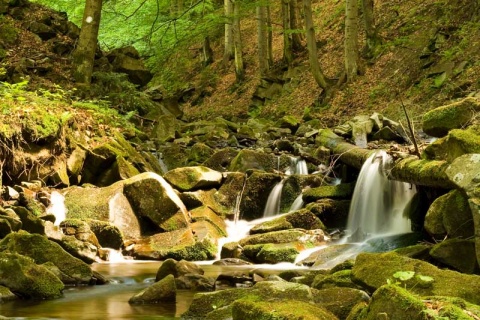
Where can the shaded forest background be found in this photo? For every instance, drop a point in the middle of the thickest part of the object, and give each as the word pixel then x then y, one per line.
pixel 427 54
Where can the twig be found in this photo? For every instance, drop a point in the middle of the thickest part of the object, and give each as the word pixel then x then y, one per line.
pixel 417 152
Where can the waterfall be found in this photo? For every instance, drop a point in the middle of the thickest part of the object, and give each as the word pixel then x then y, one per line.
pixel 57 207
pixel 272 208
pixel 378 203
pixel 161 163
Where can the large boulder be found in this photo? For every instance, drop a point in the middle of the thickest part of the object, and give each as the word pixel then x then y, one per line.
pixel 21 275
pixel 340 191
pixel 131 65
pixel 450 215
pixel 439 121
pixel 180 244
pixel 339 301
pixel 42 250
pixel 458 142
pixel 303 219
pixel 250 159
pixel 458 254
pixel 373 270
pixel 161 291
pixel 245 309
pixel 191 178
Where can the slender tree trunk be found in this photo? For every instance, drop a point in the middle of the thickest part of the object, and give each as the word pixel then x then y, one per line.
pixel 229 51
pixel 312 46
pixel 370 29
pixel 295 25
pixel 351 39
pixel 237 40
pixel 269 37
pixel 287 42
pixel 262 39
pixel 84 54
pixel 207 52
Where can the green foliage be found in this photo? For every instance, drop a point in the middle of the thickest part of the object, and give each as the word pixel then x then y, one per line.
pixel 121 93
pixel 8 31
pixel 410 278
pixel 14 91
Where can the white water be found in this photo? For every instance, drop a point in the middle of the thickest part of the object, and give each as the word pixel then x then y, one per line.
pixel 272 207
pixel 57 207
pixel 378 203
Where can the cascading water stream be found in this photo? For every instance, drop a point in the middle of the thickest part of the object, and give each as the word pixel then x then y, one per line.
pixel 272 207
pixel 57 207
pixel 378 203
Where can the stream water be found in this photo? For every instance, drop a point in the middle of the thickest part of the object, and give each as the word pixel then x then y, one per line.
pixel 376 209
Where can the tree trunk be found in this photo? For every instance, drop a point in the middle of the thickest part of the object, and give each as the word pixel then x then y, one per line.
pixel 370 30
pixel 207 52
pixel 409 169
pixel 84 54
pixel 262 39
pixel 312 47
pixel 351 39
pixel 229 51
pixel 269 37
pixel 237 40
pixel 287 42
pixel 295 25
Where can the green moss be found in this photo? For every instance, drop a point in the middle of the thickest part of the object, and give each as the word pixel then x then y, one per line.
pixel 278 310
pixel 8 31
pixel 341 191
pixel 275 253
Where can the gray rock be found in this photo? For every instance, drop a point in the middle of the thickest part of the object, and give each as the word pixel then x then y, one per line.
pixel 162 291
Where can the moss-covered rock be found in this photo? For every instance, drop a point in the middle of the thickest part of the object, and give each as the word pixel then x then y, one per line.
pixel 255 194
pixel 250 159
pixel 165 128
pixel 302 219
pixel 283 236
pixel 205 213
pixel 199 153
pixel 458 142
pixel 177 269
pixel 30 222
pixel 108 235
pixel 439 121
pixel 228 195
pixel 341 191
pixel 338 279
pixel 450 215
pixel 83 250
pixel 162 206
pixel 276 253
pixel 191 178
pixel 221 159
pixel 339 300
pixel 6 295
pixel 245 309
pixel 164 290
pixel 179 245
pixel 21 275
pixel 333 213
pixel 372 270
pixel 41 250
pixel 394 302
pixel 458 254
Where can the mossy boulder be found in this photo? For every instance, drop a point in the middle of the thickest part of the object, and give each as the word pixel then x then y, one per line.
pixel 245 309
pixel 221 159
pixel 339 300
pixel 107 204
pixel 439 121
pixel 458 254
pixel 276 253
pixel 21 275
pixel 372 270
pixel 228 195
pixel 191 178
pixel 162 206
pixel 302 219
pixel 450 215
pixel 30 222
pixel 165 128
pixel 204 303
pixel 284 236
pixel 108 235
pixel 205 213
pixel 394 302
pixel 161 291
pixel 250 159
pixel 42 250
pixel 177 269
pixel 255 194
pixel 340 191
pixel 337 279
pixel 83 250
pixel 179 245
pixel 458 142
pixel 199 153
pixel 332 213
pixel 6 295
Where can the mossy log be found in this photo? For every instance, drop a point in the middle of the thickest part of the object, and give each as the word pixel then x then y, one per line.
pixel 410 169
pixel 348 153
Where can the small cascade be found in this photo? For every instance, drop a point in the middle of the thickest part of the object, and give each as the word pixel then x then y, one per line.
pixel 378 203
pixel 161 163
pixel 57 207
pixel 272 208
pixel 297 203
pixel 114 256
